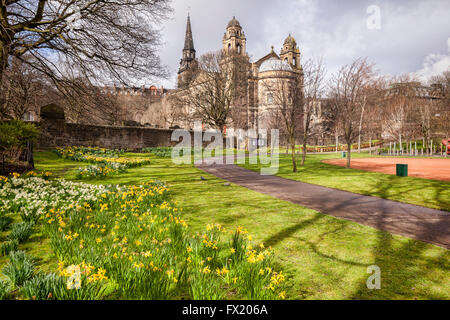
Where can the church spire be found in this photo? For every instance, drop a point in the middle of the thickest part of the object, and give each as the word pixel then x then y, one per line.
pixel 188 62
pixel 188 40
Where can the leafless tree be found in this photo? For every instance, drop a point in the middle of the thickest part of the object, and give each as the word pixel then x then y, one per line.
pixel 442 87
pixel 409 111
pixel 374 112
pixel 22 90
pixel 347 95
pixel 288 104
pixel 313 86
pixel 215 91
pixel 106 39
pixel 372 98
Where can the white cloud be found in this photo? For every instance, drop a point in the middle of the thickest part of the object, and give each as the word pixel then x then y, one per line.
pixel 335 30
pixel 434 64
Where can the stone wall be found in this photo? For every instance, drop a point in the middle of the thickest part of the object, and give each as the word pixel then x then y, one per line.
pixel 56 132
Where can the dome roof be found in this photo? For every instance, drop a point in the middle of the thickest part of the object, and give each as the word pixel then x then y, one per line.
pixel 274 64
pixel 290 40
pixel 233 23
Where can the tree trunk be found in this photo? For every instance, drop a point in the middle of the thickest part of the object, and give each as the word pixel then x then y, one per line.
pixel 359 142
pixel 360 126
pixel 3 59
pixel 337 142
pixel 30 157
pixel 305 135
pixel 294 164
pixel 349 148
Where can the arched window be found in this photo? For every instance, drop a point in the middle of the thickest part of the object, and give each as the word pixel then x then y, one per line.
pixel 238 48
pixel 28 116
pixel 229 47
pixel 269 98
pixel 295 62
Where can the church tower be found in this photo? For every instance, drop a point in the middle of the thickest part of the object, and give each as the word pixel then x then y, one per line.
pixel 188 63
pixel 234 41
pixel 291 53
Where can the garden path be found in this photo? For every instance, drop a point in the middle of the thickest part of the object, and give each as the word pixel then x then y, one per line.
pixel 408 220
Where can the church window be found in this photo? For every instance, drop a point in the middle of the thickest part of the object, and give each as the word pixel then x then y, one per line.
pixel 28 116
pixel 269 98
pixel 238 49
pixel 229 47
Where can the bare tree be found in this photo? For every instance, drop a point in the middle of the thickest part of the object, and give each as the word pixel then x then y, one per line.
pixel 107 39
pixel 372 97
pixel 441 85
pixel 347 95
pixel 409 111
pixel 22 90
pixel 374 112
pixel 313 86
pixel 288 103
pixel 215 91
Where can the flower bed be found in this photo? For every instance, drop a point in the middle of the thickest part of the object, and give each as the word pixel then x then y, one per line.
pixel 166 152
pixel 105 162
pixel 131 241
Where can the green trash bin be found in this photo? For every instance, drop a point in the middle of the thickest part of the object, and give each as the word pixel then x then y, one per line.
pixel 401 170
pixel 344 154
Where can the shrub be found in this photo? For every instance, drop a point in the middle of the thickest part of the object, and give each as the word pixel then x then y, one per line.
pixel 4 289
pixel 7 246
pixel 19 268
pixel 21 231
pixel 5 222
pixel 14 134
pixel 41 286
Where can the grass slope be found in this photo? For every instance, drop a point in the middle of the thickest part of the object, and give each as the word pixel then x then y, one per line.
pixel 323 257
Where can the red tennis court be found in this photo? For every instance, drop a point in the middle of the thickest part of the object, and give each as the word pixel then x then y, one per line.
pixel 436 169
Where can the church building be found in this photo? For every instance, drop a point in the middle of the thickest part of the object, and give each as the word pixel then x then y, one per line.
pixel 260 76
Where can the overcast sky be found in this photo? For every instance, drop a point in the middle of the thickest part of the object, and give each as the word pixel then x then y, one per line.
pixel 414 35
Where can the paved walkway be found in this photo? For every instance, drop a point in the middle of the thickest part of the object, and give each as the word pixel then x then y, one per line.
pixel 408 220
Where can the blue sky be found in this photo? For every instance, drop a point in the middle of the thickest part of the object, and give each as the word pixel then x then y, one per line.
pixel 414 35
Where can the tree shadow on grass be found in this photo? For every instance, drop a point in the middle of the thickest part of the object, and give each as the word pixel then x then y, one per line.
pixel 405 264
pixel 289 231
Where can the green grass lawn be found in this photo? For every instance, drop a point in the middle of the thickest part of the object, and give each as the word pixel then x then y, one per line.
pixel 423 192
pixel 323 257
